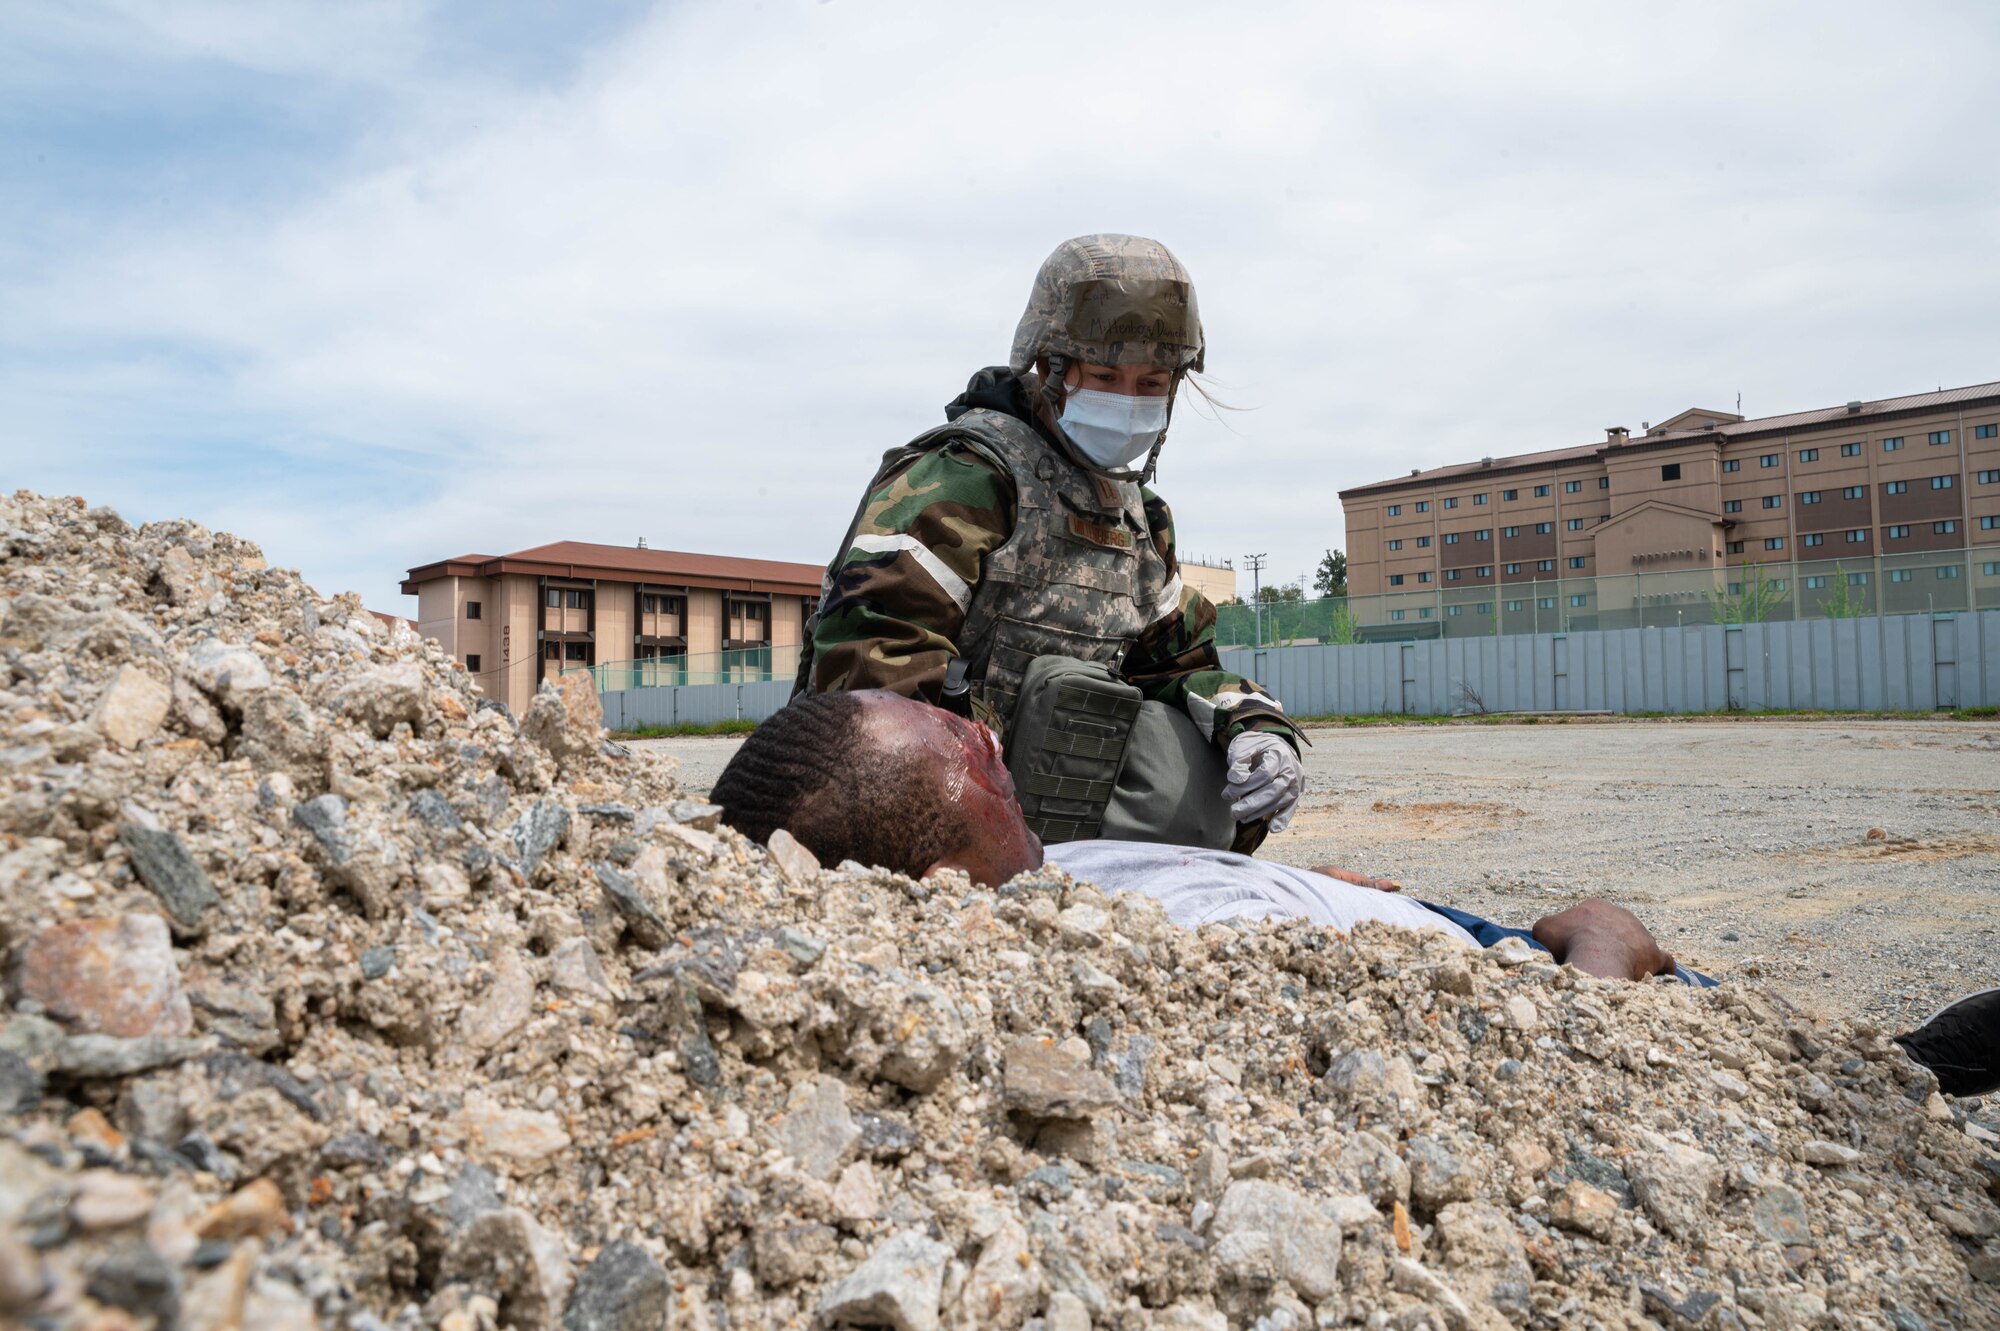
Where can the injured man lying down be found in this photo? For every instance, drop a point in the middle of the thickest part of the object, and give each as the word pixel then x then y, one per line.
pixel 891 781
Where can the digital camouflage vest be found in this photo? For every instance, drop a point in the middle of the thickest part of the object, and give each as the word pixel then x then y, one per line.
pixel 1078 577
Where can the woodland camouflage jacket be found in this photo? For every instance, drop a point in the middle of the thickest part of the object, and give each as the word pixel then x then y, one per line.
pixel 895 605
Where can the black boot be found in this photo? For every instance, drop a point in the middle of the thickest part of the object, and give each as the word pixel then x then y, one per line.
pixel 1961 1044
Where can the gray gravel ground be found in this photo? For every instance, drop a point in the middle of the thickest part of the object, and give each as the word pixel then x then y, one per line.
pixel 1745 845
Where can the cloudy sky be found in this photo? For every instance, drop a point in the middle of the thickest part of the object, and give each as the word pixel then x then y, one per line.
pixel 378 283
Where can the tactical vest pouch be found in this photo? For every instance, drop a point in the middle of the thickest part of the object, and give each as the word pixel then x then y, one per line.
pixel 1091 758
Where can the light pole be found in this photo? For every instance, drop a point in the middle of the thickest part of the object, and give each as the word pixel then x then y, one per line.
pixel 1256 563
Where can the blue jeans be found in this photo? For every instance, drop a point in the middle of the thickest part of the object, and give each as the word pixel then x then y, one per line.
pixel 1487 933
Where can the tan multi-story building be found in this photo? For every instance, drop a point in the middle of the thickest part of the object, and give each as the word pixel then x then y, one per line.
pixel 1216 581
pixel 1864 486
pixel 514 620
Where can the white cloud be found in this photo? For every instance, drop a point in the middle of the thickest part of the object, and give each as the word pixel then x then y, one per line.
pixel 695 289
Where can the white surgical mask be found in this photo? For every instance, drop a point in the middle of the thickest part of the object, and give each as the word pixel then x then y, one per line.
pixel 1112 430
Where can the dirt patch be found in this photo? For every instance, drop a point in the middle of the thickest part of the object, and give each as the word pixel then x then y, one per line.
pixel 1913 849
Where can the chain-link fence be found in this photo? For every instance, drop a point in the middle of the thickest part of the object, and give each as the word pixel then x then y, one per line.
pixel 1772 592
pixel 743 665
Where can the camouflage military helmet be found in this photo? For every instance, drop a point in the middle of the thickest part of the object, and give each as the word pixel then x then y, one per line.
pixel 1111 300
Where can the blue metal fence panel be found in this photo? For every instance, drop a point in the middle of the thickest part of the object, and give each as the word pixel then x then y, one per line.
pixel 1892 663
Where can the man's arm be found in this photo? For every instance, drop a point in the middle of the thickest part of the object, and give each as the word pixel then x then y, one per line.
pixel 1175 661
pixel 897 604
pixel 1599 938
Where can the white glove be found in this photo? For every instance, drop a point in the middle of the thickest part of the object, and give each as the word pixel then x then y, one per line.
pixel 1264 778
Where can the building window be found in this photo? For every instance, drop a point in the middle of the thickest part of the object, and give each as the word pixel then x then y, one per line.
pixel 1483 571
pixel 1544 528
pixel 1604 482
pixel 1991 523
pixel 1423 577
pixel 1484 607
pixel 1395 579
pixel 472 609
pixel 1510 495
pixel 576 600
pixel 1735 547
pixel 1774 542
pixel 1571 487
pixel 1857 579
pixel 1895 487
pixel 1510 532
pixel 1850 450
pixel 1989 478
pixel 1813 584
pixel 1573 524
pixel 1576 561
pixel 1395 545
pixel 1809 455
pixel 1946 572
pixel 1898 532
pixel 1945 528
pixel 1395 510
pixel 1808 496
pixel 1899 575
pixel 1854 492
pixel 1891 445
pixel 1578 598
pixel 1454 611
pixel 1813 538
pixel 1513 568
pixel 1732 506
pixel 1423 506
pixel 1732 464
pixel 1774 501
pixel 1483 534
pixel 1512 606
pixel 553 598
pixel 472 662
pixel 1545 565
pixel 1423 612
pixel 1423 543
pixel 577 652
pixel 1770 459
pixel 1857 536
pixel 1991 568
pixel 1452 574
pixel 1547 603
pixel 1670 471
pixel 1985 431
pixel 1451 503
pixel 1396 615
pixel 1940 436
pixel 1943 482
pixel 1541 492
pixel 1451 538
pixel 1477 500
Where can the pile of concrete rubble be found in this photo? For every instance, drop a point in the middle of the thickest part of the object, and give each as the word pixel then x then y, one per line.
pixel 338 996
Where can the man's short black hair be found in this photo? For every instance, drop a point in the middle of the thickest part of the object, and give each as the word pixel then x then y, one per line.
pixel 813 770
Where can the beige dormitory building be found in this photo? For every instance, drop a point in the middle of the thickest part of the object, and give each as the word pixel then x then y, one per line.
pixel 652 616
pixel 1881 489
pixel 514 620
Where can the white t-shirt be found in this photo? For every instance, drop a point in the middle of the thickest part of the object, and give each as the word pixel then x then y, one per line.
pixel 1202 886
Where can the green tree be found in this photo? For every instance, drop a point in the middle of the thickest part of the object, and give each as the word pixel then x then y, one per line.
pixel 1331 580
pixel 1753 603
pixel 1340 626
pixel 1847 601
